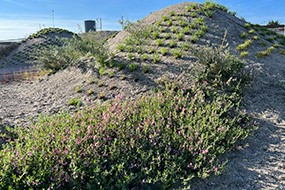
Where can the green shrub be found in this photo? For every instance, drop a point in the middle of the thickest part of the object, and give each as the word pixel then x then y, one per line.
pixel 185 46
pixel 171 13
pixel 60 57
pixel 180 36
pixel 244 35
pixel 199 21
pixel 282 42
pixel 270 39
pixel 162 29
pixel 177 54
pixel 172 43
pixel 265 53
pixel 151 50
pixel 247 25
pixel 46 31
pixel 131 56
pixel 165 139
pixel 255 37
pixel 146 68
pixel 282 52
pixel 263 44
pixel 133 67
pixel 165 18
pixel 129 48
pixel 102 71
pixel 75 102
pixel 155 35
pixel 167 36
pixel 182 23
pixel 193 6
pixel 163 51
pixel 174 29
pixel 78 89
pixel 244 54
pixel 144 57
pixel 90 92
pixel 193 25
pixel 251 31
pixel 155 58
pixel 276 45
pixel 199 33
pixel 209 13
pixel 159 42
pixel 218 61
pixel 111 73
pixel 186 30
pixel 169 22
pixel 245 45
pixel 194 38
pixel 204 28
pixel 208 5
pixel 158 23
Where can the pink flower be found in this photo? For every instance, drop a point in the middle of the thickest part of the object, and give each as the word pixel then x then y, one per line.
pixel 205 151
pixel 78 141
pixel 216 169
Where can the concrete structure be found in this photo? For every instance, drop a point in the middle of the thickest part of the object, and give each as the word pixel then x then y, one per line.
pixel 90 25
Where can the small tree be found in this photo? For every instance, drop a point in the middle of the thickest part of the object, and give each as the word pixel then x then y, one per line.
pixel 273 23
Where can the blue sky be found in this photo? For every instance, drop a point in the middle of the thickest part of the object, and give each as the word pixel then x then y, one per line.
pixel 20 18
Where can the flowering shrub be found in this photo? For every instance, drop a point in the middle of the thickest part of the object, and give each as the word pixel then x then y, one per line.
pixel 167 138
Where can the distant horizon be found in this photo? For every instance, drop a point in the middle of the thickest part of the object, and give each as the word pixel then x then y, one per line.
pixel 19 20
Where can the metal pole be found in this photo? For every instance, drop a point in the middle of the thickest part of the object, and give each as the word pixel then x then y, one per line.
pixel 53 18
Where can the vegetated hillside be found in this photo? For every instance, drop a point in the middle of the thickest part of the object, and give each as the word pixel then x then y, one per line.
pixel 22 58
pixel 170 35
pixel 183 89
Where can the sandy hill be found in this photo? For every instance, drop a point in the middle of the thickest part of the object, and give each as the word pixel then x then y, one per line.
pixel 164 49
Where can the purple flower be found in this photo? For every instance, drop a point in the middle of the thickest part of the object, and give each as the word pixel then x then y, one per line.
pixel 216 169
pixel 78 141
pixel 205 151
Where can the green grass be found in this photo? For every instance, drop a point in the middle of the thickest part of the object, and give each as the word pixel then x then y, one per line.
pixel 265 53
pixel 177 54
pixel 244 54
pixel 163 51
pixel 244 46
pixel 75 102
pixel 244 35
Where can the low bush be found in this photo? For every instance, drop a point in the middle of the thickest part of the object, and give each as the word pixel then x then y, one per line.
pixel 177 53
pixel 60 57
pixel 265 53
pixel 47 31
pixel 245 45
pixel 165 139
pixel 218 61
